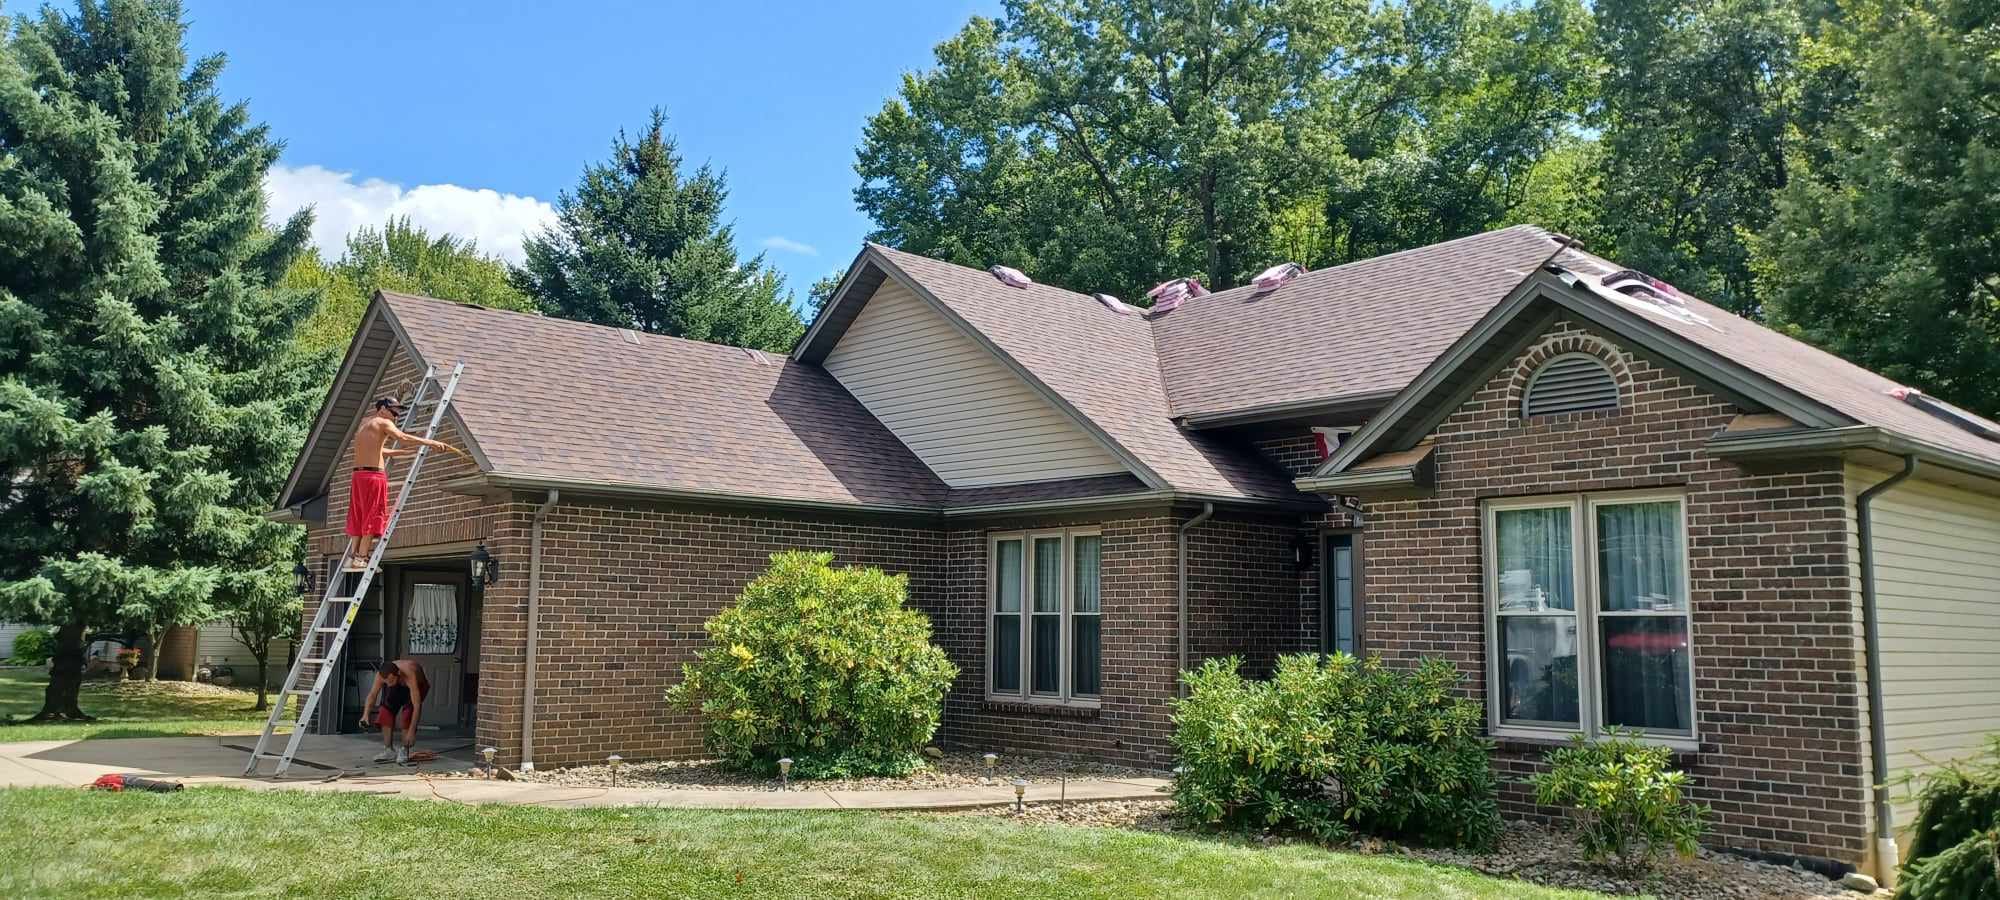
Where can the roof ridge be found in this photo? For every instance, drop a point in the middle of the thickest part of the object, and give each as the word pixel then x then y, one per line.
pixel 1380 258
pixel 560 322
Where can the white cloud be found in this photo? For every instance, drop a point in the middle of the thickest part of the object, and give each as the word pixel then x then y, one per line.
pixel 499 222
pixel 779 242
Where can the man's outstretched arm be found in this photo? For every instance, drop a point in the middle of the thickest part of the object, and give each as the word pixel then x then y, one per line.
pixel 406 437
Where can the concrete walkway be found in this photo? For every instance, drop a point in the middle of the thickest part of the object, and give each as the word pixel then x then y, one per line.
pixel 341 763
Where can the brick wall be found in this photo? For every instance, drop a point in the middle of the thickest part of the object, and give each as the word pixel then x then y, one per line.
pixel 625 591
pixel 1244 593
pixel 1138 597
pixel 1776 689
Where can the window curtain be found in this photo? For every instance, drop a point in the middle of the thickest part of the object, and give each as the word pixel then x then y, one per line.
pixel 1086 652
pixel 1045 657
pixel 1646 662
pixel 1007 617
pixel 1538 624
pixel 432 620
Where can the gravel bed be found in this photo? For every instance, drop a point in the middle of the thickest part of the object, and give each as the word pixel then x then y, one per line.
pixel 137 689
pixel 1526 852
pixel 953 769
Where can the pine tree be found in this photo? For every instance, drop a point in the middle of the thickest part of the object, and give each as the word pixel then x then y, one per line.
pixel 639 246
pixel 150 400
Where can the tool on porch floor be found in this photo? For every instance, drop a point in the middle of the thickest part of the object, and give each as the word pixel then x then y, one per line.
pixel 345 590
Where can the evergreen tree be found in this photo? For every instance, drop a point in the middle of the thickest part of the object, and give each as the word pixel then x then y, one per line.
pixel 639 246
pixel 150 401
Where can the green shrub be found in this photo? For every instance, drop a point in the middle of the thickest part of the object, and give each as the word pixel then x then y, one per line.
pixel 1955 839
pixel 33 647
pixel 823 665
pixel 1626 797
pixel 1336 745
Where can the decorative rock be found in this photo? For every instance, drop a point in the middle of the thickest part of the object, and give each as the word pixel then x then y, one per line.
pixel 1855 881
pixel 933 752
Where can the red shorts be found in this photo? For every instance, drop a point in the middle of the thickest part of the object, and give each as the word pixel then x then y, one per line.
pixel 402 719
pixel 367 503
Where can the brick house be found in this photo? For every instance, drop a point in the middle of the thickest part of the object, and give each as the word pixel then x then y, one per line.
pixel 1610 505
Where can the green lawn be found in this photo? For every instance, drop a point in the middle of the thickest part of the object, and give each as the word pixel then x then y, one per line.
pixel 202 842
pixel 130 709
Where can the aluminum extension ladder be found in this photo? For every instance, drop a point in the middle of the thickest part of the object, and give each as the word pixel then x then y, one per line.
pixel 342 603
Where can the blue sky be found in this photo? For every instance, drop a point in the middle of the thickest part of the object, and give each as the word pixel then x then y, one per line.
pixel 470 117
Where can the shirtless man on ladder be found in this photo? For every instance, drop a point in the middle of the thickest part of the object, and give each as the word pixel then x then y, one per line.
pixel 368 488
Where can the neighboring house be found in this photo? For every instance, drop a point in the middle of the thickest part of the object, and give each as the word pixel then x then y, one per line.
pixel 1608 508
pixel 211 642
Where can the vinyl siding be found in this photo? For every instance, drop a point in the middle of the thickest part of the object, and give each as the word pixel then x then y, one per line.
pixel 217 644
pixel 967 416
pixel 7 632
pixel 1937 588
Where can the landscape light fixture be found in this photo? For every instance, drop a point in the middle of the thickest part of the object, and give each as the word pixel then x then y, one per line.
pixel 992 759
pixel 1020 791
pixel 785 774
pixel 488 753
pixel 485 569
pixel 614 760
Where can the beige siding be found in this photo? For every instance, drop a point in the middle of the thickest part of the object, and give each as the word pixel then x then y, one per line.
pixel 1937 588
pixel 967 416
pixel 217 644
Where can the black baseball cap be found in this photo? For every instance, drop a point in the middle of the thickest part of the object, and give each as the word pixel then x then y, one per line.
pixel 390 403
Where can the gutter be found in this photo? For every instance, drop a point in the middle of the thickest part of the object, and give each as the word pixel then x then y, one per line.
pixel 1181 618
pixel 1886 852
pixel 1790 442
pixel 534 629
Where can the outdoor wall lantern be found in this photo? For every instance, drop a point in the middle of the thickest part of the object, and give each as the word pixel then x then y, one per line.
pixel 302 578
pixel 485 569
pixel 1302 553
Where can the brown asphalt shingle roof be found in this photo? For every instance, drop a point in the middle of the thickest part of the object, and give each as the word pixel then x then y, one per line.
pixel 1105 365
pixel 1833 382
pixel 559 399
pixel 1364 328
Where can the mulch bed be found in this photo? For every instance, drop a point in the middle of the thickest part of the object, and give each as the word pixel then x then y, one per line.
pixel 952 770
pixel 1527 852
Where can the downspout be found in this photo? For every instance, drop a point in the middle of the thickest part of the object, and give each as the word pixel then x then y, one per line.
pixel 1886 853
pixel 1181 618
pixel 534 629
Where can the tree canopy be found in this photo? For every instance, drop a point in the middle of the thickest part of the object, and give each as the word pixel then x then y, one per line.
pixel 1828 166
pixel 400 257
pixel 150 396
pixel 639 245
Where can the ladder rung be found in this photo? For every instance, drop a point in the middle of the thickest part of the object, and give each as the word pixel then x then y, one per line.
pixel 326 630
pixel 299 691
pixel 312 660
pixel 343 599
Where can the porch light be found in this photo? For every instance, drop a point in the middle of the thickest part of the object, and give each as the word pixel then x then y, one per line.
pixel 485 569
pixel 1020 792
pixel 785 774
pixel 1302 553
pixel 992 759
pixel 302 578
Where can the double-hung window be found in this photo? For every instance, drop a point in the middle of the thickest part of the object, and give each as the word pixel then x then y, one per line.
pixel 1044 643
pixel 1589 623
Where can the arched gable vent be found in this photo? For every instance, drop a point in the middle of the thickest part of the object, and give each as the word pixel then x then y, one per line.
pixel 1571 382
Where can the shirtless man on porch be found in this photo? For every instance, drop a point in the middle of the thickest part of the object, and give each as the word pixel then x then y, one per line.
pixel 368 488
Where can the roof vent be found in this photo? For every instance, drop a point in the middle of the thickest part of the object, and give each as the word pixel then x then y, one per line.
pixel 1982 427
pixel 1115 305
pixel 630 336
pixel 757 356
pixel 1011 277
pixel 1644 292
pixel 1571 382
pixel 1169 294
pixel 1271 278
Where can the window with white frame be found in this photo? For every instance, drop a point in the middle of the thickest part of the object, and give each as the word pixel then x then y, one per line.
pixel 1044 643
pixel 1590 626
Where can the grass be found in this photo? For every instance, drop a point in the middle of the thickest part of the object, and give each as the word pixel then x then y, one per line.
pixel 128 709
pixel 220 841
